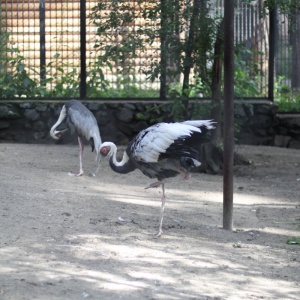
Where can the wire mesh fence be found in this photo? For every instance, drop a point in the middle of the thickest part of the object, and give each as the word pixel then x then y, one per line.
pixel 41 45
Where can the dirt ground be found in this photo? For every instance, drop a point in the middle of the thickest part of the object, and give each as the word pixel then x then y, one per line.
pixel 64 237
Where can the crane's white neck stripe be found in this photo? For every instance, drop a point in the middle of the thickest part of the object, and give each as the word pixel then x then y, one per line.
pixel 62 115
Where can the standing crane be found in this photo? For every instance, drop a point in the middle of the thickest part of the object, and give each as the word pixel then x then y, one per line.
pixel 162 151
pixel 74 116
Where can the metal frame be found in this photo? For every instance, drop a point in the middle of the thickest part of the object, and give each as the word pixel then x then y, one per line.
pixel 83 51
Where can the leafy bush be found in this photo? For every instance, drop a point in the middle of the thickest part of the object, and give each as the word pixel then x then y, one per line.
pixel 62 80
pixel 286 99
pixel 247 75
pixel 15 81
pixel 14 78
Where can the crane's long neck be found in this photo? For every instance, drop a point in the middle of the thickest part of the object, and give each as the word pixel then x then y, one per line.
pixel 62 116
pixel 125 166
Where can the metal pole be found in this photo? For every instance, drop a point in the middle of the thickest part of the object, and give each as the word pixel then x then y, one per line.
pixel 228 114
pixel 163 51
pixel 42 42
pixel 272 51
pixel 82 49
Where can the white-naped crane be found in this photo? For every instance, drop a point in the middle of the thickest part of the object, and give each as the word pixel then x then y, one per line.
pixel 74 116
pixel 161 151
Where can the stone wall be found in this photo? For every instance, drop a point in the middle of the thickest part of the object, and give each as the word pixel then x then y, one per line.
pixel 288 131
pixel 257 122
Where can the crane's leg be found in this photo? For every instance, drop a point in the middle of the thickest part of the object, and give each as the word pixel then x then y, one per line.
pixel 81 147
pixel 162 209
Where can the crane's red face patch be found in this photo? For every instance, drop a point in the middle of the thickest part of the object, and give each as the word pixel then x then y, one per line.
pixel 104 151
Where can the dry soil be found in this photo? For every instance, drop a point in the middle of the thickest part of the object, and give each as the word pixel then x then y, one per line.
pixel 64 237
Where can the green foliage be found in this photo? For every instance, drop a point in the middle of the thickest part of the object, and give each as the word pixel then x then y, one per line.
pixel 122 38
pixel 247 74
pixel 286 99
pixel 198 89
pixel 14 78
pixel 61 80
pixel 202 110
pixel 294 241
pixel 127 91
pixel 154 114
pixel 119 43
pixel 96 80
pixel 284 6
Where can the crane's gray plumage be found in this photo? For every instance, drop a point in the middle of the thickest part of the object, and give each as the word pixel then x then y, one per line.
pixel 74 116
pixel 161 151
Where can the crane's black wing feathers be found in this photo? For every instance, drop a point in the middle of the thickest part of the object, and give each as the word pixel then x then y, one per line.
pixel 167 149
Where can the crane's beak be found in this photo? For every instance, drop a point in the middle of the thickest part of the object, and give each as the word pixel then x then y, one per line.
pixel 57 134
pixel 98 159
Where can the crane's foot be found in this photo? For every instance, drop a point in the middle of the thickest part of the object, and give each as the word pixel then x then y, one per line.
pixel 186 176
pixel 154 185
pixel 156 234
pixel 76 175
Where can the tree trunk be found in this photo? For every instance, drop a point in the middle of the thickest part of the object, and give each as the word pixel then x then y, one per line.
pixel 173 43
pixel 190 46
pixel 203 41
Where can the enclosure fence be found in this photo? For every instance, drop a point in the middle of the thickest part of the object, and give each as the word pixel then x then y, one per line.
pixel 70 51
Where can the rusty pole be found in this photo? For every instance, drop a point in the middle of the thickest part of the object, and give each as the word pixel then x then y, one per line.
pixel 82 49
pixel 42 42
pixel 228 114
pixel 272 51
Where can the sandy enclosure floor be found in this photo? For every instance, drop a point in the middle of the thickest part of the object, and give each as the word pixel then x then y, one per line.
pixel 74 238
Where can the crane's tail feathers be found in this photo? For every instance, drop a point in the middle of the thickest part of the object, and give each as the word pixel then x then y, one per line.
pixel 189 162
pixel 209 124
pixel 196 162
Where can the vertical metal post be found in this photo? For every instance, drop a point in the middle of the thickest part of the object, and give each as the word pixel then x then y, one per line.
pixel 82 49
pixel 228 114
pixel 163 51
pixel 272 51
pixel 42 42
